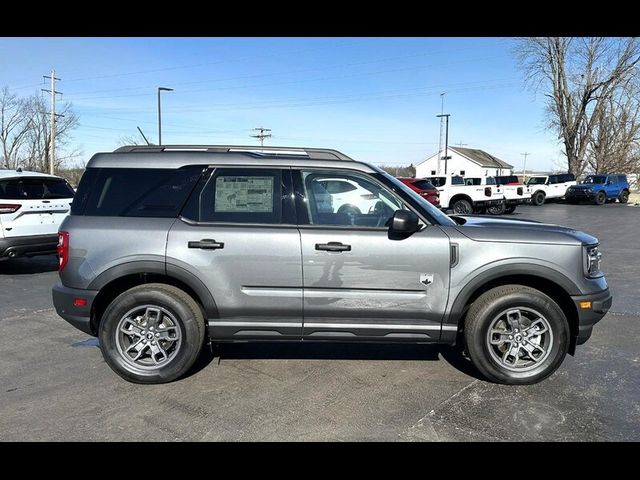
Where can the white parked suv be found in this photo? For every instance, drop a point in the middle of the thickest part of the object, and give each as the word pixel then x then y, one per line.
pixel 543 187
pixel 347 196
pixel 32 206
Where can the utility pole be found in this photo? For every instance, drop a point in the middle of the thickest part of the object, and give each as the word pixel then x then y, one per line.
pixel 262 135
pixel 524 167
pixel 53 92
pixel 446 140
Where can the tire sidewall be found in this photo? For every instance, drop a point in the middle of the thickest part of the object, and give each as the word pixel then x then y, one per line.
pixel 185 319
pixel 468 208
pixel 624 197
pixel 538 198
pixel 559 326
pixel 600 195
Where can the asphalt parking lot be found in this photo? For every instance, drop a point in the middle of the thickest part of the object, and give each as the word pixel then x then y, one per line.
pixel 54 384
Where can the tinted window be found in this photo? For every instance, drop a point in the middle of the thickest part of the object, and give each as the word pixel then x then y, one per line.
pixel 457 181
pixel 553 179
pixel 239 195
pixel 26 188
pixel 472 181
pixel 437 181
pixel 595 179
pixel 423 185
pixel 622 178
pixel 337 186
pixel 491 181
pixel 537 181
pixel 504 179
pixel 134 192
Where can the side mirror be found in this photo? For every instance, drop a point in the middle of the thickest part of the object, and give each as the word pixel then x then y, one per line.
pixel 404 222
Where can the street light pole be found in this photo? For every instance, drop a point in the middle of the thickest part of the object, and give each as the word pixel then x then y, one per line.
pixel 161 89
pixel 446 140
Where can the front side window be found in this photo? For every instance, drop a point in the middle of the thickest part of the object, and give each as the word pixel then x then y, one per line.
pixel 239 195
pixel 595 179
pixel 537 181
pixel 368 204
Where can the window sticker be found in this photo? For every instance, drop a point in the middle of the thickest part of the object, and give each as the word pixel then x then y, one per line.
pixel 244 194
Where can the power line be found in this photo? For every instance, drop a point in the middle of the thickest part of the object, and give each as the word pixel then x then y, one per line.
pixel 262 135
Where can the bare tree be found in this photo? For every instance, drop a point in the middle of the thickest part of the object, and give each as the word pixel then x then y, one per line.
pixel 15 123
pixel 578 76
pixel 613 146
pixel 38 138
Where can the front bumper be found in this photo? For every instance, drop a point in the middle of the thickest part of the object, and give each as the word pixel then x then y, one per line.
pixel 78 316
pixel 588 317
pixel 580 195
pixel 28 245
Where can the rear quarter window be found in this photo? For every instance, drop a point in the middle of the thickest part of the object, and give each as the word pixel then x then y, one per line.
pixel 134 192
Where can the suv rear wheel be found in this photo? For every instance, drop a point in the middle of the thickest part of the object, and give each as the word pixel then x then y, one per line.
pixel 516 335
pixel 624 196
pixel 462 207
pixel 152 333
pixel 538 198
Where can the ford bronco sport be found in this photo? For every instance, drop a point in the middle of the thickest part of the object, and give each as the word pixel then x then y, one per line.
pixel 169 247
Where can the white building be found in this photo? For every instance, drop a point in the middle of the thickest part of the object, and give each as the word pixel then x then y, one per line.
pixel 467 162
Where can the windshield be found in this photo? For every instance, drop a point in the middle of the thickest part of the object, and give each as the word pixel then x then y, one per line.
pixel 423 185
pixel 434 212
pixel 537 181
pixel 595 179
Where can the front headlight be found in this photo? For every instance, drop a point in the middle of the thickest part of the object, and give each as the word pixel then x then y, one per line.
pixel 593 259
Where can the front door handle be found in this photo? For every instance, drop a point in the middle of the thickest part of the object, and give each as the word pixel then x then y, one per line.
pixel 333 247
pixel 206 244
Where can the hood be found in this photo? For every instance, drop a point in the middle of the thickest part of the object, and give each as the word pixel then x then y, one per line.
pixel 496 229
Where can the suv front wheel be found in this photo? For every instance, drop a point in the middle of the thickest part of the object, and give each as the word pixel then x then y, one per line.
pixel 151 333
pixel 516 335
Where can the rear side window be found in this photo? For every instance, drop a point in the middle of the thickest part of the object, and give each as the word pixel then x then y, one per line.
pixel 622 178
pixel 437 181
pixel 457 181
pixel 241 195
pixel 135 192
pixel 26 188
pixel 423 185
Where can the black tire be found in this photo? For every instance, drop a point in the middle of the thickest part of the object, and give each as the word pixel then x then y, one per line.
pixel 509 210
pixel 538 198
pixel 624 196
pixel 189 320
pixel 497 209
pixel 600 199
pixel 462 207
pixel 489 306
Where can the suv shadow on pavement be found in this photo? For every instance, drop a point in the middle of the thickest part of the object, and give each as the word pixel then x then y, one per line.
pixel 29 265
pixel 335 351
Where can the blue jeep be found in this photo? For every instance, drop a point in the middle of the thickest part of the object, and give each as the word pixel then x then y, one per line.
pixel 600 189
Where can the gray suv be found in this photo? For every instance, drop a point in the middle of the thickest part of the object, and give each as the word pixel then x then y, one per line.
pixel 169 247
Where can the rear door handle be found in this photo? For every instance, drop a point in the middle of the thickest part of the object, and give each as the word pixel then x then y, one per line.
pixel 333 247
pixel 206 244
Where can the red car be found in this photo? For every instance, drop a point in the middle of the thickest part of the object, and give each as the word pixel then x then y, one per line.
pixel 424 188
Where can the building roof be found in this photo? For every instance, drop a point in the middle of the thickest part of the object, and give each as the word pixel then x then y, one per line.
pixel 481 157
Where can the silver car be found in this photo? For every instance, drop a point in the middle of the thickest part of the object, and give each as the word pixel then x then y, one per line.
pixel 169 247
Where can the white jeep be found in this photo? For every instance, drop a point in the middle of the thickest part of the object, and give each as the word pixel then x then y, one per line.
pixel 543 187
pixel 466 198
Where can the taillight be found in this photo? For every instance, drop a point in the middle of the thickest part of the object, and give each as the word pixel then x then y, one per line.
pixel 487 191
pixel 9 207
pixel 63 249
pixel 519 190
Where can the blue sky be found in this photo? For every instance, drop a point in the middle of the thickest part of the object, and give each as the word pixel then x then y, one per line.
pixel 376 99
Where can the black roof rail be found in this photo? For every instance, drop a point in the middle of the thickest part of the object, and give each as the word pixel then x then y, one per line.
pixel 312 153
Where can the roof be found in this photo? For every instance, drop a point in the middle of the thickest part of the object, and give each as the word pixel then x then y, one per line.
pixel 481 157
pixel 23 173
pixel 176 156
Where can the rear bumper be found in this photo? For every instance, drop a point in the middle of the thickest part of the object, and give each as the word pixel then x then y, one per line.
pixel 588 317
pixel 28 246
pixel 517 201
pixel 488 203
pixel 79 317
